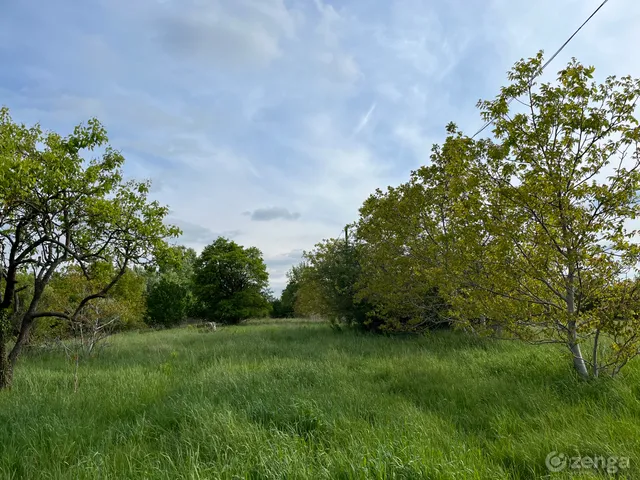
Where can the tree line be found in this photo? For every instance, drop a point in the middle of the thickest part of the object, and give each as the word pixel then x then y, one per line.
pixel 226 283
pixel 526 234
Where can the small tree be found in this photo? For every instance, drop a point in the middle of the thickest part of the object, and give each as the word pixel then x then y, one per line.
pixel 328 283
pixel 230 282
pixel 121 308
pixel 284 307
pixel 564 176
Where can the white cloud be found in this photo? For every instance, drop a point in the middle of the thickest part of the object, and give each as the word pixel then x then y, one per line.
pixel 239 34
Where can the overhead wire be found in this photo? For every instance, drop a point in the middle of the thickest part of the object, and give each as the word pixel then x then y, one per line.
pixel 552 57
pixel 342 230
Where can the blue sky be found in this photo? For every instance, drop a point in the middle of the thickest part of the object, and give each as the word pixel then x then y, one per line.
pixel 270 121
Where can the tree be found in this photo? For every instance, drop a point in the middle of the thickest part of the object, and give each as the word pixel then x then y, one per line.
pixel 275 310
pixel 328 282
pixel 169 288
pixel 178 261
pixel 230 282
pixel 168 302
pixel 564 176
pixel 58 209
pixel 418 238
pixel 284 307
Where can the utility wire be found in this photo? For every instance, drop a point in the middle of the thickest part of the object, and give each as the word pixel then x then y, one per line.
pixel 552 57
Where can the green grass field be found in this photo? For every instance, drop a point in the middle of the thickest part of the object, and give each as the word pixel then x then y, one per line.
pixel 293 399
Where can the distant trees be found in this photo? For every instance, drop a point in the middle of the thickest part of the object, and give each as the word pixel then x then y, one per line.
pixel 275 307
pixel 285 306
pixel 170 288
pixel 289 295
pixel 59 211
pixel 168 302
pixel 230 282
pixel 226 283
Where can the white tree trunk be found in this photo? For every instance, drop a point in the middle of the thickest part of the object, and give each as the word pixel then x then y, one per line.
pixel 578 360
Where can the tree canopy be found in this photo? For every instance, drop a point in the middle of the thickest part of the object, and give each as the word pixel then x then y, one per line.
pixel 169 289
pixel 58 209
pixel 528 230
pixel 230 282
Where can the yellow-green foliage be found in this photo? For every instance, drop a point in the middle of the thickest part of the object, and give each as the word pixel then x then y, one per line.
pixel 125 302
pixel 528 230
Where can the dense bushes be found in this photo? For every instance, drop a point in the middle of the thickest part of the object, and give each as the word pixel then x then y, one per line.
pixel 279 309
pixel 336 281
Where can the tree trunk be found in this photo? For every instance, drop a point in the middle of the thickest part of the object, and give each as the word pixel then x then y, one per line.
pixel 578 360
pixel 21 340
pixel 572 340
pixel 6 372
pixel 596 368
pixel 27 321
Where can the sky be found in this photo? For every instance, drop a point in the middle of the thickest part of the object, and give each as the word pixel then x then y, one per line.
pixel 270 121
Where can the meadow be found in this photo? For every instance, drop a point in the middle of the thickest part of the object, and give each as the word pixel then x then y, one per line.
pixel 296 399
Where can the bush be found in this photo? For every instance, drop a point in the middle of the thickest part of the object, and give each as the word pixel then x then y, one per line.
pixel 168 302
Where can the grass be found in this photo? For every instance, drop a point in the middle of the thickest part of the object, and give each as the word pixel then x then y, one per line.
pixel 296 399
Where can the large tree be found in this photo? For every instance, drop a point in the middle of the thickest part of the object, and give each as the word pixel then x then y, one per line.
pixel 230 282
pixel 58 209
pixel 411 235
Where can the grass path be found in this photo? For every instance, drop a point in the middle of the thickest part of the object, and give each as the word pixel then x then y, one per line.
pixel 298 400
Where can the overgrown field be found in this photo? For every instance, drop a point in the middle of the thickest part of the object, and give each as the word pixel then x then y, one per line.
pixel 293 399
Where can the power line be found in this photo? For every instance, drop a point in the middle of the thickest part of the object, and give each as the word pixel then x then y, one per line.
pixel 552 57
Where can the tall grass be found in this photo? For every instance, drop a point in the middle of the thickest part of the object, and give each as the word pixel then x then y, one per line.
pixel 299 400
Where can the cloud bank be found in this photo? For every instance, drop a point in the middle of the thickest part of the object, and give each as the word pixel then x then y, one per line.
pixel 304 106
